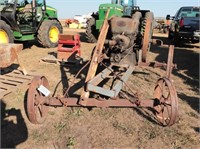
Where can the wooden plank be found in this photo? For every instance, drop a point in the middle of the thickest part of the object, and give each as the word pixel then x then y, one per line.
pixel 4 93
pixel 18 76
pixel 8 54
pixel 12 81
pixel 7 85
pixel 97 53
pixel 18 79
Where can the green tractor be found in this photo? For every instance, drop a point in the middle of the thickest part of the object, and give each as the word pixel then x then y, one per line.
pixel 25 20
pixel 119 8
pixel 129 28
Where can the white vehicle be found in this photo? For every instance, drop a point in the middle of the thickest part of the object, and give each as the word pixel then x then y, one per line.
pixel 82 19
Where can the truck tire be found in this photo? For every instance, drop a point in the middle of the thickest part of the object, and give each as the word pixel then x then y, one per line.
pixel 170 37
pixel 6 34
pixel 91 32
pixel 176 39
pixel 48 33
pixel 147 34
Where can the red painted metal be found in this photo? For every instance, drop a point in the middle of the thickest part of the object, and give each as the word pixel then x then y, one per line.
pixel 68 46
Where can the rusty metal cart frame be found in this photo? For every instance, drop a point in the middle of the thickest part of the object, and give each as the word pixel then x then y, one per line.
pixel 164 103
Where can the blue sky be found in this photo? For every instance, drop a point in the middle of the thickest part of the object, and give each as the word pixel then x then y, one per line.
pixel 69 8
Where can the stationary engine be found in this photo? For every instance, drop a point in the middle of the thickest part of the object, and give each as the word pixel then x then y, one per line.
pixel 125 32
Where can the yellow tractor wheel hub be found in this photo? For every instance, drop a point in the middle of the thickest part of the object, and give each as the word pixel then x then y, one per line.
pixel 53 34
pixel 3 37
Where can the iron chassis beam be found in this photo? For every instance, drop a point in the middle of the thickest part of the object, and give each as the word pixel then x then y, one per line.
pixel 93 102
pixel 111 102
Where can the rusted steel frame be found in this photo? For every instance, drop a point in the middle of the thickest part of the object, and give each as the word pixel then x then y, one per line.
pixel 97 53
pixel 170 61
pixel 55 101
pixel 92 84
pixel 155 65
pixel 92 102
pixel 118 103
pixel 152 64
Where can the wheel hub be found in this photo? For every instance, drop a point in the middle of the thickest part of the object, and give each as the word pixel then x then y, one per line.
pixel 3 36
pixel 53 34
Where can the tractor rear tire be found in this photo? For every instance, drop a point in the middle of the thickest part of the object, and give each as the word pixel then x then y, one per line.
pixel 92 33
pixel 6 34
pixel 48 33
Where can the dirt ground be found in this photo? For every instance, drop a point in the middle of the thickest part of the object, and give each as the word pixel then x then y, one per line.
pixel 105 128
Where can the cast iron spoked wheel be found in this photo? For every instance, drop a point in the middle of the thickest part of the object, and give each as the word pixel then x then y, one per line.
pixel 147 26
pixel 37 112
pixel 167 109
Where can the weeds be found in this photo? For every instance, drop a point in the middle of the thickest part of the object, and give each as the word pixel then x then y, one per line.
pixel 70 142
pixel 77 111
pixel 192 114
pixel 36 135
pixel 51 113
pixel 59 126
pixel 19 95
pixel 122 127
pixel 151 134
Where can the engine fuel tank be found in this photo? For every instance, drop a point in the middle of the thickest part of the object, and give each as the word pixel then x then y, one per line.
pixel 121 25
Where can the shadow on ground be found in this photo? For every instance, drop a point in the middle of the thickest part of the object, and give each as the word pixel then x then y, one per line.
pixel 13 128
pixel 187 64
pixel 9 69
pixel 187 68
pixel 71 86
pixel 190 100
pixel 181 44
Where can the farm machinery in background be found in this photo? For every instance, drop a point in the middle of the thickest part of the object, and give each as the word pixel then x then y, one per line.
pixel 79 21
pixel 162 25
pixel 125 9
pixel 129 27
pixel 112 62
pixel 25 20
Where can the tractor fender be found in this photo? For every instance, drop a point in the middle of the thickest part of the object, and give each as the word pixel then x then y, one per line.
pixel 12 25
pixel 48 19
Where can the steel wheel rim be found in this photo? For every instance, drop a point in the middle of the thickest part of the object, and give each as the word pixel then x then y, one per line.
pixel 4 37
pixel 53 34
pixel 36 112
pixel 146 40
pixel 167 110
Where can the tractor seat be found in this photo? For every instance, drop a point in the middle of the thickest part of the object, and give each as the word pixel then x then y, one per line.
pixel 27 8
